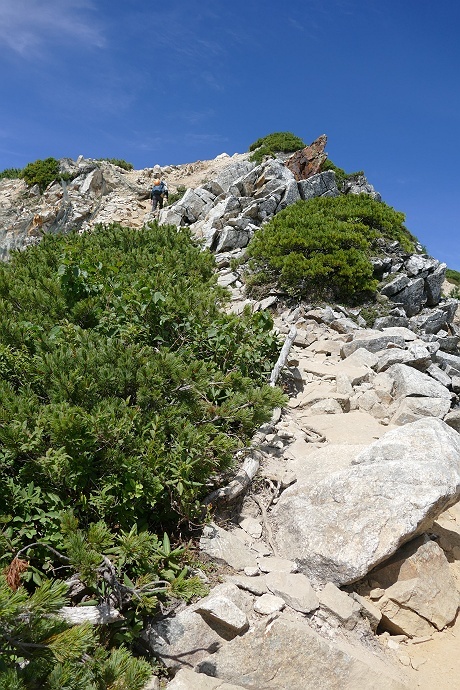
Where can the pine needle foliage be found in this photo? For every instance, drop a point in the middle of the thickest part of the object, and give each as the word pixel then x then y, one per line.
pixel 321 248
pixel 124 387
pixel 40 651
pixel 275 142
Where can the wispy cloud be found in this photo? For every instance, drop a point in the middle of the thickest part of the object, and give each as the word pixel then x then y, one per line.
pixel 26 26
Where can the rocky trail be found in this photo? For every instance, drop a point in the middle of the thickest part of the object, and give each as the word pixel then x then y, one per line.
pixel 339 565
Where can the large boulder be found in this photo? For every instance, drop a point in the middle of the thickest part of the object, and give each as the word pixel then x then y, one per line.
pixel 353 520
pixel 321 184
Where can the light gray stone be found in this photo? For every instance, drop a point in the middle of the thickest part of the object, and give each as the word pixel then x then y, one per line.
pixel 439 375
pixel 268 604
pixel 224 612
pixel 186 679
pixel 433 285
pixel 224 547
pixel 321 184
pixel 295 589
pixel 256 584
pixel 369 610
pixel 287 655
pixel 273 564
pixel 346 524
pixel 430 321
pixel 420 591
pixel 340 604
pixel 373 342
pixel 411 409
pixel 411 382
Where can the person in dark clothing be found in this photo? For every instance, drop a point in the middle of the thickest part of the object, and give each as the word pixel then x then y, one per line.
pixel 156 194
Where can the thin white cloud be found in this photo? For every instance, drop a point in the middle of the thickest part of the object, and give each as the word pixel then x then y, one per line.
pixel 26 26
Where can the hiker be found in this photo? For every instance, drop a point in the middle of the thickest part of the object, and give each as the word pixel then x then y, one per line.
pixel 156 194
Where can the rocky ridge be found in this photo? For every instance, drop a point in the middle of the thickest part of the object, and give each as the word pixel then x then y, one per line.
pixel 354 529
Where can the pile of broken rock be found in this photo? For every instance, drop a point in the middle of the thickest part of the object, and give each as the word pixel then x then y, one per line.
pixel 356 532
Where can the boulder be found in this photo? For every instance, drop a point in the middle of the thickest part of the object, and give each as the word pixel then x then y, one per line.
pixel 411 409
pixel 233 172
pixel 412 297
pixel 341 528
pixel 188 637
pixel 321 184
pixel 409 382
pixel 373 342
pixel 433 285
pixel 340 604
pixel 221 610
pixel 430 321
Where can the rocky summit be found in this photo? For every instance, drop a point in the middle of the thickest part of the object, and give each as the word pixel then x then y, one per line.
pixel 342 561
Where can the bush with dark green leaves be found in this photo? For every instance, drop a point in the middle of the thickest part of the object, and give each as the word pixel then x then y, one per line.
pixel 273 143
pixel 123 390
pixel 321 248
pixel 41 172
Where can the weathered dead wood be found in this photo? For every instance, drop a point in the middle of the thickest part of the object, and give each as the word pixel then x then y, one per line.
pixel 96 615
pixel 251 464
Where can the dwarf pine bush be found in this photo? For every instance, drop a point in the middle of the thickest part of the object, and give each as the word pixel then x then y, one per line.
pixel 321 248
pixel 123 389
pixel 277 141
pixel 41 172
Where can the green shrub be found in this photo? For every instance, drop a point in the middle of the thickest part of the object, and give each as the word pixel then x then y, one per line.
pixel 41 172
pixel 177 195
pixel 120 162
pixel 11 174
pixel 275 142
pixel 321 248
pixel 123 389
pixel 38 649
pixel 453 276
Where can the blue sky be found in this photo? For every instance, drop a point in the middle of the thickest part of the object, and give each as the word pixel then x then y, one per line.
pixel 177 81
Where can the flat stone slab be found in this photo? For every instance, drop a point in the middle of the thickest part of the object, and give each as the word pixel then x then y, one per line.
pixel 287 655
pixel 190 680
pixel 354 427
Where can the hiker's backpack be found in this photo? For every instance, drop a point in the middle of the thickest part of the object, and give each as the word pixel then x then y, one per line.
pixel 158 186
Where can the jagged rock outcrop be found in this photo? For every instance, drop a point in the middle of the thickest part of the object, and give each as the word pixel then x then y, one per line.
pixel 308 161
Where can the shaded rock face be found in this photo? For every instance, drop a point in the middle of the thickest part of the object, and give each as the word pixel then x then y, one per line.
pixel 420 594
pixel 308 161
pixel 349 522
